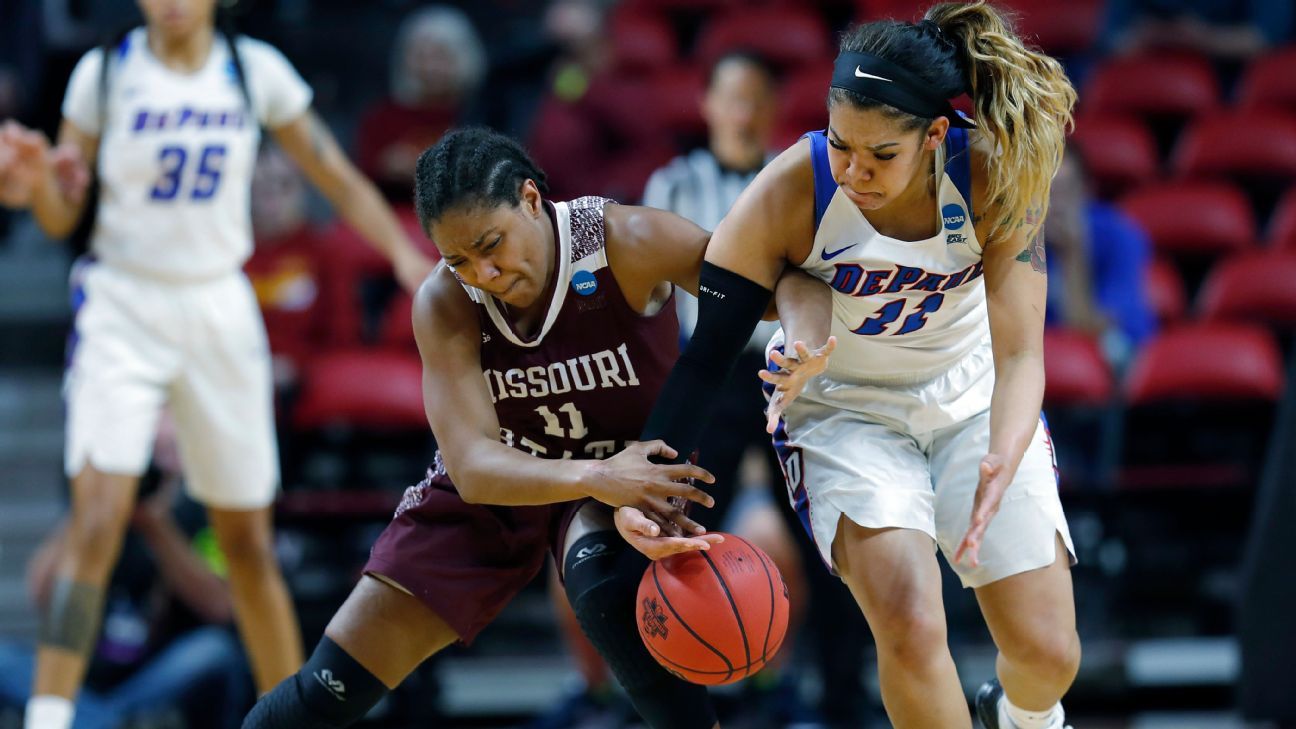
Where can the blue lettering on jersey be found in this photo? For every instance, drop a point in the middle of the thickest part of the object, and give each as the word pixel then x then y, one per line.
pixel 158 120
pixel 953 216
pixel 584 283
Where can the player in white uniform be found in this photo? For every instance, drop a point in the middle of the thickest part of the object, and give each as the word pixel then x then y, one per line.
pixel 925 430
pixel 164 315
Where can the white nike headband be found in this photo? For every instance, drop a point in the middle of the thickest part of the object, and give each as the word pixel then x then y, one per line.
pixel 877 78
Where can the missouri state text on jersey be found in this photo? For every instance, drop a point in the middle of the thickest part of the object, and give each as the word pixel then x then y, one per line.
pixel 583 385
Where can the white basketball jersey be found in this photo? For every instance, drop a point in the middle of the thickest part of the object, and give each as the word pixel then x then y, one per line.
pixel 903 311
pixel 177 151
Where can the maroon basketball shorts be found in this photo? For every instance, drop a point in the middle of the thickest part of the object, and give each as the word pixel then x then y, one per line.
pixel 466 561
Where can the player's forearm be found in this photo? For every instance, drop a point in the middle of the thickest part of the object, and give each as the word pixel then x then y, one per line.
pixel 184 573
pixel 497 474
pixel 364 209
pixel 55 214
pixel 804 308
pixel 1015 404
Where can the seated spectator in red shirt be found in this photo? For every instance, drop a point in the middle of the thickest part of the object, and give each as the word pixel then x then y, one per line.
pixel 287 266
pixel 437 67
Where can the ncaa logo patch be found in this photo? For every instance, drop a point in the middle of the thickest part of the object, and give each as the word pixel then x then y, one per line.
pixel 584 283
pixel 953 216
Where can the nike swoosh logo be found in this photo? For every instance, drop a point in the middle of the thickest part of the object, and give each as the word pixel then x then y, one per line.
pixel 861 74
pixel 829 256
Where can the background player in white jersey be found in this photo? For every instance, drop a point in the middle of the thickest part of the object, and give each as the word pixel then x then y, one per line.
pixel 925 429
pixel 164 313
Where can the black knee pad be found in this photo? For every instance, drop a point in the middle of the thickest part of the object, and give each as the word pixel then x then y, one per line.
pixel 331 691
pixel 602 576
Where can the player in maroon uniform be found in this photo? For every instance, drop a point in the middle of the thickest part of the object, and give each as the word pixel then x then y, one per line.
pixel 547 333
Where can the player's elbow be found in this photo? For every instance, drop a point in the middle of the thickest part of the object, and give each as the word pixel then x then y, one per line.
pixel 465 479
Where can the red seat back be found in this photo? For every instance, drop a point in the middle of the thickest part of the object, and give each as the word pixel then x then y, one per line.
pixel 1165 291
pixel 1168 85
pixel 1057 26
pixel 1118 150
pixel 1282 226
pixel 641 43
pixel 1239 142
pixel 364 389
pixel 803 104
pixel 1207 362
pixel 1193 217
pixel 787 36
pixel 1075 372
pixel 1270 81
pixel 1259 285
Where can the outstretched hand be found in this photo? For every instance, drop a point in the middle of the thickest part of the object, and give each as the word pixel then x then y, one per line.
pixel 994 480
pixel 792 375
pixel 23 157
pixel 646 535
pixel 630 479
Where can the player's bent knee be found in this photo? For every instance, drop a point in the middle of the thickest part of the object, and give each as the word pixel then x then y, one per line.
pixel 331 691
pixel 602 576
pixel 1054 656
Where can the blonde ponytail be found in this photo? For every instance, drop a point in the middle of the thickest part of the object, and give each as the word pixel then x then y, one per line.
pixel 1023 102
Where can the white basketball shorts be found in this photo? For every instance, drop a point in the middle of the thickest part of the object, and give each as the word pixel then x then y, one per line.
pixel 140 343
pixel 908 456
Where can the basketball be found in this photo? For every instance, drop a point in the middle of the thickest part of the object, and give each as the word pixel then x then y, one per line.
pixel 716 616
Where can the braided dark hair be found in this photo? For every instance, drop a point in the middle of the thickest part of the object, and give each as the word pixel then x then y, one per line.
pixel 473 166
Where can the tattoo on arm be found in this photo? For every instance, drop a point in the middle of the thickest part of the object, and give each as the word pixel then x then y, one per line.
pixel 1033 253
pixel 75 611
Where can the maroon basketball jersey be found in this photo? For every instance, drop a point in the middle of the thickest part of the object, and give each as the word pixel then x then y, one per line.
pixel 584 385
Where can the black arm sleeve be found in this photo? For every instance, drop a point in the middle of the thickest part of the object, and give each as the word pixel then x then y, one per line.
pixel 729 307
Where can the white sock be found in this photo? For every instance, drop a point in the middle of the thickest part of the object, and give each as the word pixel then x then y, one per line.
pixel 49 712
pixel 1013 717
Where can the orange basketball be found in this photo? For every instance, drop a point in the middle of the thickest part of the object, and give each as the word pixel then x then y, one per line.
pixel 713 617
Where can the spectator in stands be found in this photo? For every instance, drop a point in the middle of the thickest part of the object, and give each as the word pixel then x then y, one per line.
pixel 1097 261
pixel 437 66
pixel 168 646
pixel 286 268
pixel 1224 29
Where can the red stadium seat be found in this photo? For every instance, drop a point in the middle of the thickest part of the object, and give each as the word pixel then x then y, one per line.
pixel 676 107
pixel 566 143
pixel 1282 227
pixel 1200 402
pixel 624 177
pixel 1193 217
pixel 788 36
pixel 676 6
pixel 1057 26
pixel 348 263
pixel 641 43
pixel 803 104
pixel 377 389
pixel 909 10
pixel 1075 372
pixel 397 328
pixel 1165 291
pixel 1205 362
pixel 1119 151
pixel 1246 142
pixel 1256 286
pixel 1162 85
pixel 1270 81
